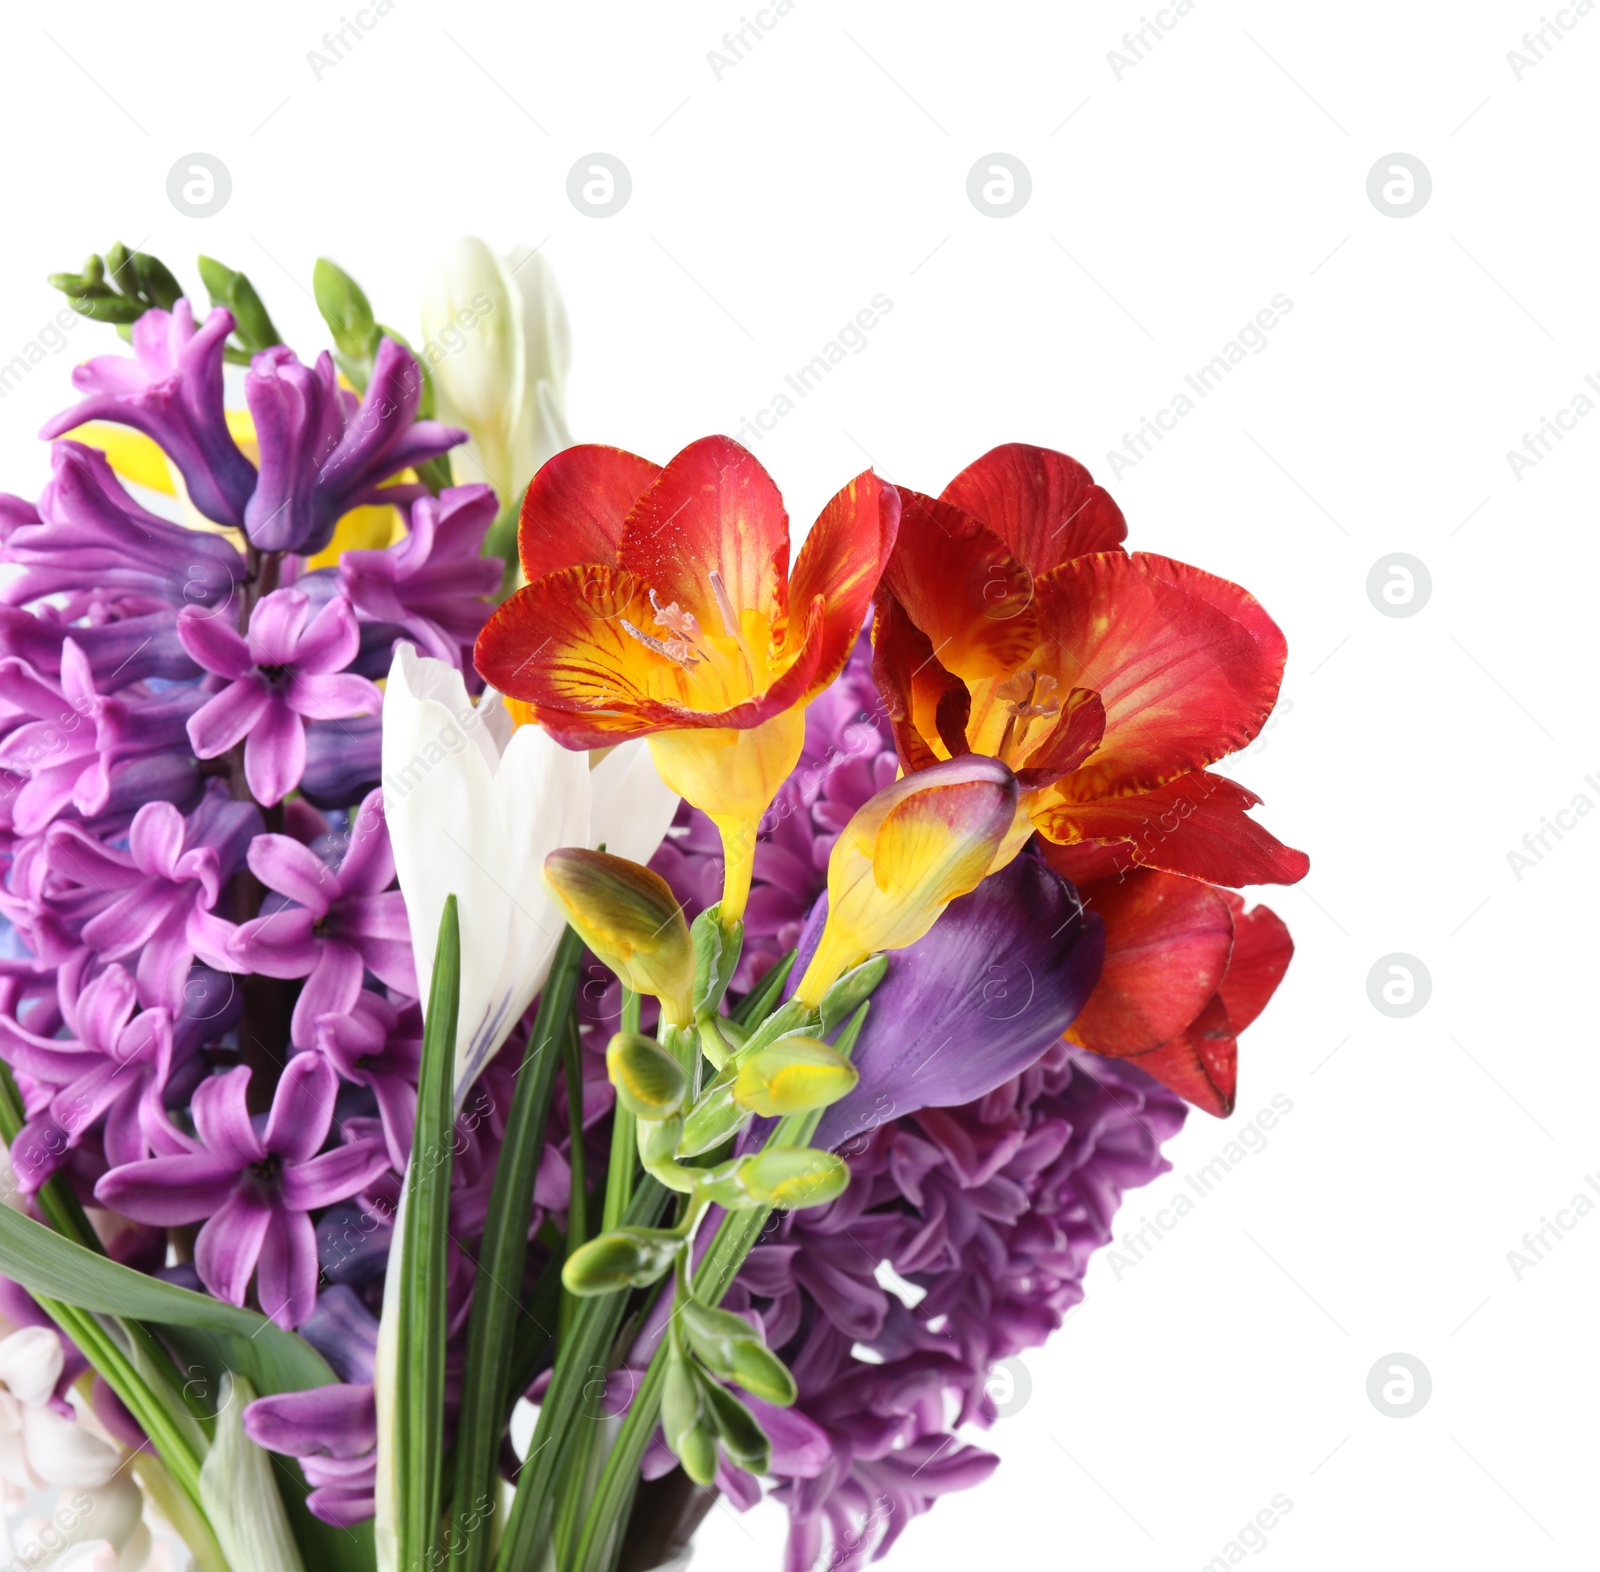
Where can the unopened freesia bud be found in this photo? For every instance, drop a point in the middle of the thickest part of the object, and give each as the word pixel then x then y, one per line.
pixel 794 1075
pixel 627 1258
pixel 650 1083
pixel 630 918
pixel 907 853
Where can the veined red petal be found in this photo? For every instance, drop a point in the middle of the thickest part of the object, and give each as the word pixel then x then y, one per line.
pixel 1262 950
pixel 1042 504
pixel 712 509
pixel 1202 1064
pixel 1188 665
pixel 960 585
pixel 1168 940
pixel 1076 734
pixel 1196 825
pixel 573 510
pixel 561 645
pixel 923 700
pixel 841 560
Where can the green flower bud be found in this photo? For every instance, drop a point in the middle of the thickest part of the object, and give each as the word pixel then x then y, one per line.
pixel 759 1371
pixel 630 918
pixel 787 1177
pixel 348 314
pixel 626 1258
pixel 794 1075
pixel 743 1438
pixel 650 1083
pixel 683 1412
pixel 251 324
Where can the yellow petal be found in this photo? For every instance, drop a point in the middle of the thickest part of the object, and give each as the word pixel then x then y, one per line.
pixel 133 455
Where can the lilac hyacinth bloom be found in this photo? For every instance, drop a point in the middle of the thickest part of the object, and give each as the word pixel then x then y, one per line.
pixel 155 900
pixel 329 924
pixel 269 1173
pixel 289 668
pixel 379 1046
pixel 114 1068
pixel 322 453
pixel 88 532
pixel 433 585
pixel 171 390
pixel 78 746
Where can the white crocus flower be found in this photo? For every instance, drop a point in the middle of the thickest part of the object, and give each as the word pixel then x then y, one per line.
pixel 496 343
pixel 99 1516
pixel 474 805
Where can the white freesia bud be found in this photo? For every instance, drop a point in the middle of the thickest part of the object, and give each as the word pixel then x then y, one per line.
pixel 495 340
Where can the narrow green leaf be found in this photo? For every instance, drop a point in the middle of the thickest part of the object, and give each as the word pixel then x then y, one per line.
pixel 419 1389
pixel 502 1258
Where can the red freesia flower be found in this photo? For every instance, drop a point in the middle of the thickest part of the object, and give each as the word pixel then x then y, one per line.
pixel 660 603
pixel 1187 968
pixel 1011 622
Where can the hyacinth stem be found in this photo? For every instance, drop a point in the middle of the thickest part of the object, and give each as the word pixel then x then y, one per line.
pixel 502 1258
pixel 624 1139
pixel 735 1237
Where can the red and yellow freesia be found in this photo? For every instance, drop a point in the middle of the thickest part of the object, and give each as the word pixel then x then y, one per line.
pixel 1187 968
pixel 1011 622
pixel 660 603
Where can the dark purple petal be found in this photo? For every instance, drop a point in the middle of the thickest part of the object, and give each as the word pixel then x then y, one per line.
pixel 337 1420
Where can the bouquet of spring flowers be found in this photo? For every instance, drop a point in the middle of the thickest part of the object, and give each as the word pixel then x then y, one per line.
pixel 486 1073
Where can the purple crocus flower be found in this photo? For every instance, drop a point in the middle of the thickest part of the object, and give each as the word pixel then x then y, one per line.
pixel 432 585
pixel 975 1001
pixel 330 924
pixel 79 742
pixel 289 668
pixel 87 531
pixel 171 390
pixel 114 1068
pixel 269 1176
pixel 154 900
pixel 322 454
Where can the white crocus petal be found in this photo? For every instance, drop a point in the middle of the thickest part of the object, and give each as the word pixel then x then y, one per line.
pixel 474 347
pixel 31 1363
pixel 541 425
pixel 63 1452
pixel 239 1493
pixel 468 820
pixel 633 807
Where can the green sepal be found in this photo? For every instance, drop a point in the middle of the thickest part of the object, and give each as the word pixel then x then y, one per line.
pixel 851 991
pixel 713 1118
pixel 716 957
pixel 760 1372
pixel 348 313
pixel 743 1439
pixel 235 293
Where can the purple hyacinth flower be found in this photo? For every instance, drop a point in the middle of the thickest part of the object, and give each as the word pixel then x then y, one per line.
pixel 87 531
pixel 433 585
pixel 154 900
pixel 114 1067
pixel 321 454
pixel 253 1181
pixel 974 1002
pixel 171 390
pixel 330 925
pixel 78 742
pixel 289 668
pixel 380 1047
pixel 126 643
pixel 344 760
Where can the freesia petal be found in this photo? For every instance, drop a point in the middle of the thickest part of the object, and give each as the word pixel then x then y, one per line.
pixel 841 560
pixel 1196 825
pixel 1042 504
pixel 962 586
pixel 1262 950
pixel 1187 664
pixel 712 509
pixel 1167 945
pixel 575 508
pixel 1202 1064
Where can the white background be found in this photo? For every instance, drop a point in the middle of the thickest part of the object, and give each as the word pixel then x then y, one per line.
pixel 1167 208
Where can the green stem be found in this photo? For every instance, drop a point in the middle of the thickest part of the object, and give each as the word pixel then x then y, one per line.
pixel 619 1175
pixel 486 1400
pixel 577 1195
